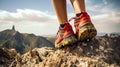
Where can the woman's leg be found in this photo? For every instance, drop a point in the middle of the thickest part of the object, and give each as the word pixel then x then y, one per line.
pixel 78 5
pixel 84 27
pixel 65 32
pixel 60 9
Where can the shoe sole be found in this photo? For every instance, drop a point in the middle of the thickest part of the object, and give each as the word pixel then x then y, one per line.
pixel 71 39
pixel 87 31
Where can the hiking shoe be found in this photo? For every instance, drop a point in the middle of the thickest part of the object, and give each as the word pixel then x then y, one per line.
pixel 84 27
pixel 65 36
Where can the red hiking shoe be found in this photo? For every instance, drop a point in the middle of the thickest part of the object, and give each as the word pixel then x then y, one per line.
pixel 84 27
pixel 65 36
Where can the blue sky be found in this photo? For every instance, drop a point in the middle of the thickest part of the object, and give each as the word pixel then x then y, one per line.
pixel 12 5
pixel 38 16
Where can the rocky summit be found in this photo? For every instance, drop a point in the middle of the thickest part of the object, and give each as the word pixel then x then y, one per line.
pixel 102 51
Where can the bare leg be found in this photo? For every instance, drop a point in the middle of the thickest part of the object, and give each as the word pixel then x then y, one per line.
pixel 60 9
pixel 78 5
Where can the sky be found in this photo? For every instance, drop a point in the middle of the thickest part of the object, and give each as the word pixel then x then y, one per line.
pixel 38 16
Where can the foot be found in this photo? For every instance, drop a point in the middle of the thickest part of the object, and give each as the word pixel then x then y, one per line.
pixel 84 27
pixel 65 36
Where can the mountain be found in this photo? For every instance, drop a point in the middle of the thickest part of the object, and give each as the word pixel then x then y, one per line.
pixel 22 42
pixel 51 39
pixel 101 51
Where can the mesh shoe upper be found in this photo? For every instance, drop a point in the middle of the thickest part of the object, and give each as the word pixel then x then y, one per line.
pixel 64 32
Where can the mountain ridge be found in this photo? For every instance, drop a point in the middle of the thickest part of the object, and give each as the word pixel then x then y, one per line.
pixel 22 42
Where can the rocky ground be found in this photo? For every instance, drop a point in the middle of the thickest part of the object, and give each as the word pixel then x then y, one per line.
pixel 102 51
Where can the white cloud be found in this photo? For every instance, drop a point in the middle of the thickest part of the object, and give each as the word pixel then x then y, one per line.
pixel 29 21
pixel 113 17
pixel 107 23
pixel 105 1
pixel 22 15
pixel 105 16
pixel 101 7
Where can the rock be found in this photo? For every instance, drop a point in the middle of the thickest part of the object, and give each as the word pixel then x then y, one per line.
pixel 7 57
pixel 99 52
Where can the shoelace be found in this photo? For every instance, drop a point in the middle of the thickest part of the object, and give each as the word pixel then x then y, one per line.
pixel 59 33
pixel 72 18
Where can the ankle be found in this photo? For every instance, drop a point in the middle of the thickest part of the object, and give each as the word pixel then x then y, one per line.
pixel 62 25
pixel 78 14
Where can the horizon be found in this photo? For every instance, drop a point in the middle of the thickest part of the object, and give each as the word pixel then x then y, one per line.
pixel 53 35
pixel 30 17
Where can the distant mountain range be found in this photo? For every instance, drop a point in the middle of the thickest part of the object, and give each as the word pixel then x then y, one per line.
pixel 102 34
pixel 22 42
